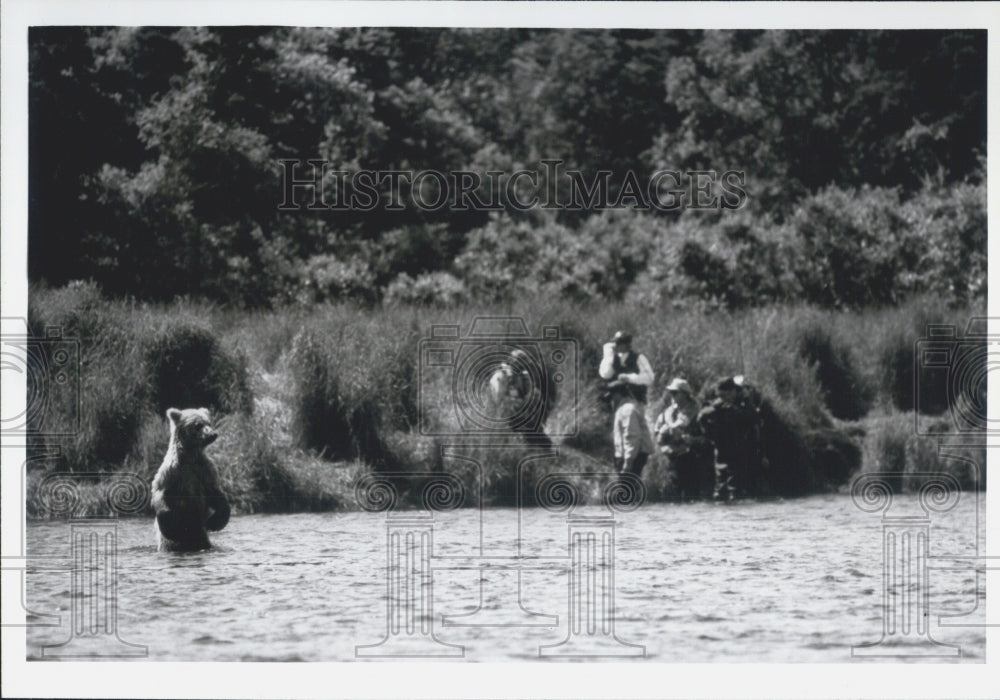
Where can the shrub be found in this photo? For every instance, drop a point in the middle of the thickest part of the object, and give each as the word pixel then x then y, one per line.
pixel 713 279
pixel 894 445
pixel 353 379
pixel 103 409
pixel 73 308
pixel 790 470
pixel 328 278
pixel 495 263
pixel 852 245
pixel 413 251
pixel 740 260
pixel 253 473
pixel 188 367
pixel 897 362
pixel 845 392
pixel 432 288
pixel 330 414
pixel 592 418
pixel 135 363
pixel 598 261
pixel 952 221
pixel 834 455
pixel 113 414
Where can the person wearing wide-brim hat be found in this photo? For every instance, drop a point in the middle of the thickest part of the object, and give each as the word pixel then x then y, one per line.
pixel 628 376
pixel 681 441
pixel 678 385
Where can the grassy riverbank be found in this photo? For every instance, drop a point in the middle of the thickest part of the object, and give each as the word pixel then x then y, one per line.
pixel 308 398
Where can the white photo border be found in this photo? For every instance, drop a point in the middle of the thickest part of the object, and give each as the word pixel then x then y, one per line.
pixel 456 679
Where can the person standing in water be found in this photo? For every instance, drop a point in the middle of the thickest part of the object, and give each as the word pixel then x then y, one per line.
pixel 628 376
pixel 732 421
pixel 680 439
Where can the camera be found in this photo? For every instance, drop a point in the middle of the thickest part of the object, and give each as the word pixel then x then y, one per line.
pixel 951 373
pixel 51 369
pixel 496 380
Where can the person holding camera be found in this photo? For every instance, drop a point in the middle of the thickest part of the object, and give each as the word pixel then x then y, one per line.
pixel 628 376
pixel 510 384
pixel 514 396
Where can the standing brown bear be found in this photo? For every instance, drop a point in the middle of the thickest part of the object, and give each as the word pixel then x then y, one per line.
pixel 186 493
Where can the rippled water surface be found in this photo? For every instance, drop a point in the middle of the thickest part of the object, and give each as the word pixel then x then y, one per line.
pixel 796 580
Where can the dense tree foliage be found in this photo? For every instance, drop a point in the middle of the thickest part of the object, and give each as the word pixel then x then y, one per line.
pixel 156 162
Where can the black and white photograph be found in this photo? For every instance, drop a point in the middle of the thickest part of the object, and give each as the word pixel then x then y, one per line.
pixel 550 352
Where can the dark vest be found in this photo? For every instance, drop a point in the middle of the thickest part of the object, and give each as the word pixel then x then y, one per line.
pixel 629 366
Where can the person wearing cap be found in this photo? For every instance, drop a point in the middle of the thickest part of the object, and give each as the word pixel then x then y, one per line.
pixel 732 421
pixel 680 439
pixel 511 380
pixel 628 376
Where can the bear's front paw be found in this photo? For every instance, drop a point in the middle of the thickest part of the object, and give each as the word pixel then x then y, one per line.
pixel 220 516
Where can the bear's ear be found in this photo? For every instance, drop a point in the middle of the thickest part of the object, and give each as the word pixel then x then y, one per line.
pixel 174 415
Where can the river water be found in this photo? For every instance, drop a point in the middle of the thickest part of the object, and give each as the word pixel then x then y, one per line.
pixel 798 580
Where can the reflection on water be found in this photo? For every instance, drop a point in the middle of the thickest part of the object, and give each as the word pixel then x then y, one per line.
pixel 796 581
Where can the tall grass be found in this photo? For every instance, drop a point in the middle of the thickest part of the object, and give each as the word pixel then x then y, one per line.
pixel 354 380
pixel 913 448
pixel 135 363
pixel 308 397
pixel 846 392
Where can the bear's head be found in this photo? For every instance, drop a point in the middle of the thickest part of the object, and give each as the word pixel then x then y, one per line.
pixel 192 426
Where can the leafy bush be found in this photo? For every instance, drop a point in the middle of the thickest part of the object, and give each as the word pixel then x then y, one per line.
pixel 253 472
pixel 432 288
pixel 105 409
pixel 852 247
pixel 738 260
pixel 598 261
pixel 328 278
pixel 951 223
pixel 412 251
pixel 351 383
pixel 790 470
pixel 188 367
